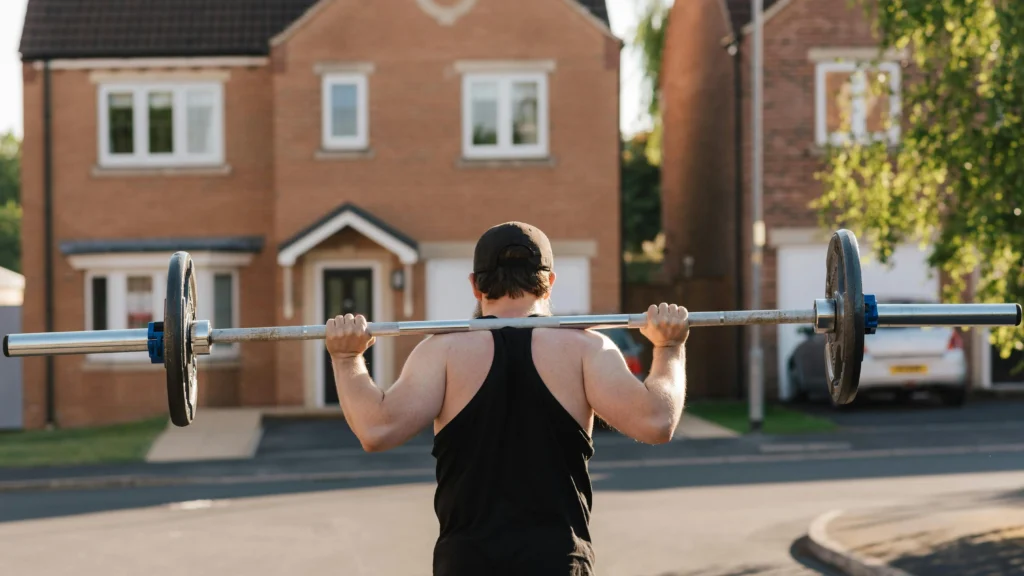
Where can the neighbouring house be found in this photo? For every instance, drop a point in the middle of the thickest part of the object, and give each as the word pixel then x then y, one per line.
pixel 12 288
pixel 12 292
pixel 815 56
pixel 315 158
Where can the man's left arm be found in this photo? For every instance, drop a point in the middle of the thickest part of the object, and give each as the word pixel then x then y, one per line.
pixel 383 420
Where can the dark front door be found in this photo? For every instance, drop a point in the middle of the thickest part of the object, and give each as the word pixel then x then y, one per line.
pixel 348 291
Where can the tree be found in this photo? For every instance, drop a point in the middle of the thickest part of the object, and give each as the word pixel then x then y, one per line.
pixel 641 193
pixel 10 198
pixel 955 178
pixel 649 39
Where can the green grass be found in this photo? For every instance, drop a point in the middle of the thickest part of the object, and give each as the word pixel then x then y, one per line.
pixel 104 444
pixel 777 419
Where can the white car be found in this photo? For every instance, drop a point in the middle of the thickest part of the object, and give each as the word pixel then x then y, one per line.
pixel 896 360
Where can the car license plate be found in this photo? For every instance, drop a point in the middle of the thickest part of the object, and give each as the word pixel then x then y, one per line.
pixel 908 370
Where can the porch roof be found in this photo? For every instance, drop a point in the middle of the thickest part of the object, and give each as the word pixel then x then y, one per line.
pixel 349 215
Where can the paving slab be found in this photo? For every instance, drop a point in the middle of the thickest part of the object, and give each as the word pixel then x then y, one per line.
pixel 216 434
pixel 963 534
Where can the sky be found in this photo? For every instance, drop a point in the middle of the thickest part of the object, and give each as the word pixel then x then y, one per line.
pixel 622 13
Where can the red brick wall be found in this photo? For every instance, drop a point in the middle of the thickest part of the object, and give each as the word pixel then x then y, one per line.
pixel 88 206
pixel 791 157
pixel 414 179
pixel 698 183
pixel 275 186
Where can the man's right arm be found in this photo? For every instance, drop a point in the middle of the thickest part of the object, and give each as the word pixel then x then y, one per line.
pixel 647 411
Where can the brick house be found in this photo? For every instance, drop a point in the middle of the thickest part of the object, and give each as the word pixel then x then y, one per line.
pixel 315 158
pixel 811 51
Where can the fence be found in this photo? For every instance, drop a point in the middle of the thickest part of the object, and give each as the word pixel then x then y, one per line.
pixel 713 367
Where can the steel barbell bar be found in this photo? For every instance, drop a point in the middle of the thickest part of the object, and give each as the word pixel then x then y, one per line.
pixel 203 336
pixel 844 316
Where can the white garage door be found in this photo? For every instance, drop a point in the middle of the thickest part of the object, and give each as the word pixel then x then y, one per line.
pixel 801 279
pixel 450 297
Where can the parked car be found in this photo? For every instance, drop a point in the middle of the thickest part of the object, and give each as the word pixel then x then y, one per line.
pixel 629 347
pixel 896 360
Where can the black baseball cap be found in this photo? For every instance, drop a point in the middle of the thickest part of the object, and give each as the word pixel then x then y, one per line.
pixel 486 257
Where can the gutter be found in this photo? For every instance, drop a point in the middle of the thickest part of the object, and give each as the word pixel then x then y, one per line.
pixel 51 419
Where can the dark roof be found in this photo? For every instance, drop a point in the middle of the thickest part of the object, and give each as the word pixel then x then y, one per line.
pixel 597 8
pixel 156 28
pixel 741 14
pixel 349 207
pixel 227 244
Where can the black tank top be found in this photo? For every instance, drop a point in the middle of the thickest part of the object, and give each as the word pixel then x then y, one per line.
pixel 513 490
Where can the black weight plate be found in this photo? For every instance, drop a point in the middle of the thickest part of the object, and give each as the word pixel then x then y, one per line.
pixel 179 360
pixel 844 348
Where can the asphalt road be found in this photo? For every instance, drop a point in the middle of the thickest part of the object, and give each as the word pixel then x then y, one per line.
pixel 692 508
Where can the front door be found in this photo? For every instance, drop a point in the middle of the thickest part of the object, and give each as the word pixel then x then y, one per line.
pixel 348 291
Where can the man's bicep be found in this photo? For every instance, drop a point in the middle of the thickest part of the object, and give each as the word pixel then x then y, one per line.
pixel 615 394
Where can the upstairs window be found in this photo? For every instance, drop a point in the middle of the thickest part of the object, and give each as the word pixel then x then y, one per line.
pixel 345 112
pixel 505 116
pixel 857 103
pixel 161 125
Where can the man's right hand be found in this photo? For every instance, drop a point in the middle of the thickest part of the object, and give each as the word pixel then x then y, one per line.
pixel 666 325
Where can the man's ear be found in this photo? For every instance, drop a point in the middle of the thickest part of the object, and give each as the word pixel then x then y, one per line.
pixel 551 284
pixel 472 282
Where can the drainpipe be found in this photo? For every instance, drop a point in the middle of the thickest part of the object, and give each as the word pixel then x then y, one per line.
pixel 737 75
pixel 622 195
pixel 51 419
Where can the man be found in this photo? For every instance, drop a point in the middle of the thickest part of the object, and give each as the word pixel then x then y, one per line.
pixel 513 412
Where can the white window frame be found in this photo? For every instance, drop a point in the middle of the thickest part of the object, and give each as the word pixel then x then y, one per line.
pixel 505 149
pixel 361 140
pixel 140 156
pixel 858 121
pixel 117 311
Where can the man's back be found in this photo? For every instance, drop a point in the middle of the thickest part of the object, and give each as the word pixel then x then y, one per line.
pixel 557 354
pixel 512 444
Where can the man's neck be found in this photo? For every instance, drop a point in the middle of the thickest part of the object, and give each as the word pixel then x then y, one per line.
pixel 512 307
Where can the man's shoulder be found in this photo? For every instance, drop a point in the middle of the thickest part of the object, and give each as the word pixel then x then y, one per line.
pixel 455 340
pixel 582 340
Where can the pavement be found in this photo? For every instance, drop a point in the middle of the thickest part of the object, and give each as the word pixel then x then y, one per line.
pixel 218 434
pixel 912 490
pixel 972 533
pixel 237 433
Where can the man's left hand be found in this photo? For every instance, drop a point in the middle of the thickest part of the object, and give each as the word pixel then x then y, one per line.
pixel 347 336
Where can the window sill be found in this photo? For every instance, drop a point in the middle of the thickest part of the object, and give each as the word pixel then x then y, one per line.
pixel 820 151
pixel 123 172
pixel 547 162
pixel 359 154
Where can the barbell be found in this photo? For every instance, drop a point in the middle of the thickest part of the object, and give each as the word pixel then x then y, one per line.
pixel 844 315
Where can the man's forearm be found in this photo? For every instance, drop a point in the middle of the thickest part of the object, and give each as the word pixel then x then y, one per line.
pixel 361 400
pixel 667 381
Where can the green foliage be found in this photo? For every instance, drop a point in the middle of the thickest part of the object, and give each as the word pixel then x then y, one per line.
pixel 649 38
pixel 10 168
pixel 10 236
pixel 10 196
pixel 955 178
pixel 128 442
pixel 641 191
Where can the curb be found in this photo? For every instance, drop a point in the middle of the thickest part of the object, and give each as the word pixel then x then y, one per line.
pixel 101 482
pixel 824 548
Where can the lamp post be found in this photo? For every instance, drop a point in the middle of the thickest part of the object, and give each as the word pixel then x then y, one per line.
pixel 756 372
